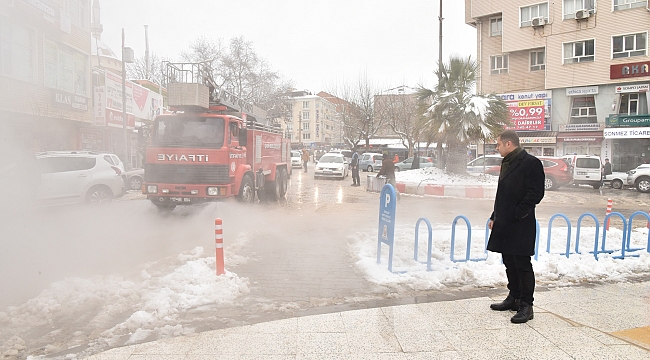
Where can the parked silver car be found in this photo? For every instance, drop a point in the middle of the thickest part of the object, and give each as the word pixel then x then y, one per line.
pixel 370 162
pixel 407 164
pixel 640 178
pixel 71 177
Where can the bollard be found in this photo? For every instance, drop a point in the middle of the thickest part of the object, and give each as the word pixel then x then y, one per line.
pixel 609 211
pixel 218 244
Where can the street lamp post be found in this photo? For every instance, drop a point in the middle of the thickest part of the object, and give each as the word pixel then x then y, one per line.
pixel 127 56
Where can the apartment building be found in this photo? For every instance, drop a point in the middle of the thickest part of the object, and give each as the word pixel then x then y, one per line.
pixel 575 73
pixel 45 78
pixel 313 122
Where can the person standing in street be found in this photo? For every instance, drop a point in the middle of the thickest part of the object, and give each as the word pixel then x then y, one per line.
pixel 305 158
pixel 395 159
pixel 607 168
pixel 354 165
pixel 513 224
pixel 388 170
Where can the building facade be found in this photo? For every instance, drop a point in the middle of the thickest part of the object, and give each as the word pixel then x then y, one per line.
pixel 574 73
pixel 45 78
pixel 313 122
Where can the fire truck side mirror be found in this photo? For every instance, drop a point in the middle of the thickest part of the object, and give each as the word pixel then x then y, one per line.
pixel 242 137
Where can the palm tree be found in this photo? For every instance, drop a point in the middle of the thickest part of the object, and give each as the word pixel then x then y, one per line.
pixel 458 114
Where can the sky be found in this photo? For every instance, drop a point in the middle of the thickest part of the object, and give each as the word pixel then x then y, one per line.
pixel 318 45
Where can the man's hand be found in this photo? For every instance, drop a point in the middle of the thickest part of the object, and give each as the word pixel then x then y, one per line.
pixel 490 224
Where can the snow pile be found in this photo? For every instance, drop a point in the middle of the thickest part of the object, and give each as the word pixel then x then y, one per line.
pixel 152 303
pixel 551 269
pixel 441 177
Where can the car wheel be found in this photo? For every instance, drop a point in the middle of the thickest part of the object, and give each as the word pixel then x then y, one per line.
pixel 643 184
pixel 617 184
pixel 246 191
pixel 397 169
pixel 99 195
pixel 135 183
pixel 369 169
pixel 549 183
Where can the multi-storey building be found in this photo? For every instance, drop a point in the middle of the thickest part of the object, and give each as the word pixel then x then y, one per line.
pixel 575 73
pixel 313 121
pixel 45 81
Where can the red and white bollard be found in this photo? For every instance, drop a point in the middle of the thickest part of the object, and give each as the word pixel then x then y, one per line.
pixel 218 244
pixel 609 211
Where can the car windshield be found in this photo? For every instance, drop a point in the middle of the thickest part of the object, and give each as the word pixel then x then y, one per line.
pixel 189 131
pixel 295 154
pixel 331 159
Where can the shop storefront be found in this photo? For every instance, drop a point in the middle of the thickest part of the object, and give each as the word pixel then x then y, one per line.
pixel 627 147
pixel 580 139
pixel 538 143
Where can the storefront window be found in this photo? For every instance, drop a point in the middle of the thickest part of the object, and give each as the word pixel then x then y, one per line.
pixel 583 110
pixel 633 104
pixel 627 154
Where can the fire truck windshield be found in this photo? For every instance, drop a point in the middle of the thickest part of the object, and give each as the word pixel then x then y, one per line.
pixel 188 131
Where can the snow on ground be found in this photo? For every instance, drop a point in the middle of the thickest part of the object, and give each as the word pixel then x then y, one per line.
pixel 552 268
pixel 441 177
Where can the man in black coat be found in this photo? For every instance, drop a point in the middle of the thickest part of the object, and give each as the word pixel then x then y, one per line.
pixel 513 224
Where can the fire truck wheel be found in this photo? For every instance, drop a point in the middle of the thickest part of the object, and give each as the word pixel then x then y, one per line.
pixel 283 187
pixel 165 209
pixel 246 191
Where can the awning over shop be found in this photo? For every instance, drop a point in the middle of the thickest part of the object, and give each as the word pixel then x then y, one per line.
pixel 580 136
pixel 537 137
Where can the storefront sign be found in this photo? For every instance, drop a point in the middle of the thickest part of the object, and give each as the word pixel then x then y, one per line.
pixel 115 119
pixel 99 108
pixel 43 7
pixel 579 139
pixel 627 133
pixel 537 140
pixel 632 88
pixel 69 101
pixel 615 120
pixel 529 110
pixel 114 93
pixel 586 90
pixel 629 70
pixel 582 127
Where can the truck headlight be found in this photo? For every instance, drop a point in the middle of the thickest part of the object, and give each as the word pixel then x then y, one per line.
pixel 152 189
pixel 213 191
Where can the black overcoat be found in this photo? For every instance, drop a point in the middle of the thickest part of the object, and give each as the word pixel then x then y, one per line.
pixel 519 190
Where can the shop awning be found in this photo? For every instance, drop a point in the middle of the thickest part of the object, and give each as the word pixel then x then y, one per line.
pixel 537 133
pixel 537 137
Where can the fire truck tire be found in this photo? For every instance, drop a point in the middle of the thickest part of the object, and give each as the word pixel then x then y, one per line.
pixel 247 190
pixel 273 189
pixel 165 209
pixel 284 178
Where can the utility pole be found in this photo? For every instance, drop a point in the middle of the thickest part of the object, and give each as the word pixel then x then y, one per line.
pixel 127 56
pixel 441 164
pixel 146 51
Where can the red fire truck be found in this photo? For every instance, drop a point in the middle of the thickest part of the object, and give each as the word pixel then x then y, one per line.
pixel 213 146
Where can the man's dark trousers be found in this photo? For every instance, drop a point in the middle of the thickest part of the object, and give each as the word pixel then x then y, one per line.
pixel 521 279
pixel 355 175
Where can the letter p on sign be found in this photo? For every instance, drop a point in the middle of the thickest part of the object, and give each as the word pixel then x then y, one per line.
pixel 387 200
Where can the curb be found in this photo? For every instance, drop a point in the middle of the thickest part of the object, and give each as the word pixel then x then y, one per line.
pixel 438 190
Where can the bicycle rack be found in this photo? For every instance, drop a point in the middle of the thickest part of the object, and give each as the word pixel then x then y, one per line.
pixel 429 241
pixel 568 235
pixel 469 240
pixel 596 237
pixel 537 231
pixel 626 246
pixel 602 249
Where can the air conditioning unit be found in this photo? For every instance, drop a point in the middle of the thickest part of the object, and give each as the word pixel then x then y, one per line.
pixel 582 14
pixel 538 21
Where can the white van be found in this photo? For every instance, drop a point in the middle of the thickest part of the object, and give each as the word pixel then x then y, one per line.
pixel 586 169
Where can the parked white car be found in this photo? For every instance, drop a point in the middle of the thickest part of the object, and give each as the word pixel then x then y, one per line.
pixel 71 177
pixel 640 178
pixel 296 159
pixel 331 165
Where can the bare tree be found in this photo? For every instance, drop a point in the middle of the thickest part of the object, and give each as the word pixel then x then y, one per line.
pixel 138 69
pixel 400 112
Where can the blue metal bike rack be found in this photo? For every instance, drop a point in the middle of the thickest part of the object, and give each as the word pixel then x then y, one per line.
pixel 602 250
pixel 429 241
pixel 568 234
pixel 537 231
pixel 578 232
pixel 626 247
pixel 469 240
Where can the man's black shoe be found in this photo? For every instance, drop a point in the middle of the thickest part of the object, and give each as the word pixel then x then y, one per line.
pixel 509 303
pixel 524 314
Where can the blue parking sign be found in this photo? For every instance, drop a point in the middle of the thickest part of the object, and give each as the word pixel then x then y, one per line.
pixel 386 231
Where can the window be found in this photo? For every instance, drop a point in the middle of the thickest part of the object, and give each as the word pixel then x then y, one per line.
pixel 305 104
pixel 499 64
pixel 16 50
pixel 537 60
pixel 306 136
pixel 305 126
pixel 571 6
pixel 528 13
pixel 633 104
pixel 628 4
pixel 579 51
pixel 64 68
pixel 305 115
pixel 496 26
pixel 77 12
pixel 583 110
pixel 629 45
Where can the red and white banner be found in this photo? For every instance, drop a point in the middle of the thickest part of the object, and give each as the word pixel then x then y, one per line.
pixel 526 115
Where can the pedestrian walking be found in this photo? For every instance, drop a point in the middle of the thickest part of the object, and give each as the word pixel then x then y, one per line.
pixel 305 158
pixel 513 224
pixel 388 170
pixel 395 158
pixel 354 165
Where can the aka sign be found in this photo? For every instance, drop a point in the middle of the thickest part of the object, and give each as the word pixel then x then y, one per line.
pixel 526 115
pixel 386 231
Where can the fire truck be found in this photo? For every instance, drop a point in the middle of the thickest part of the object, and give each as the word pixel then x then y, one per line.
pixel 214 146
